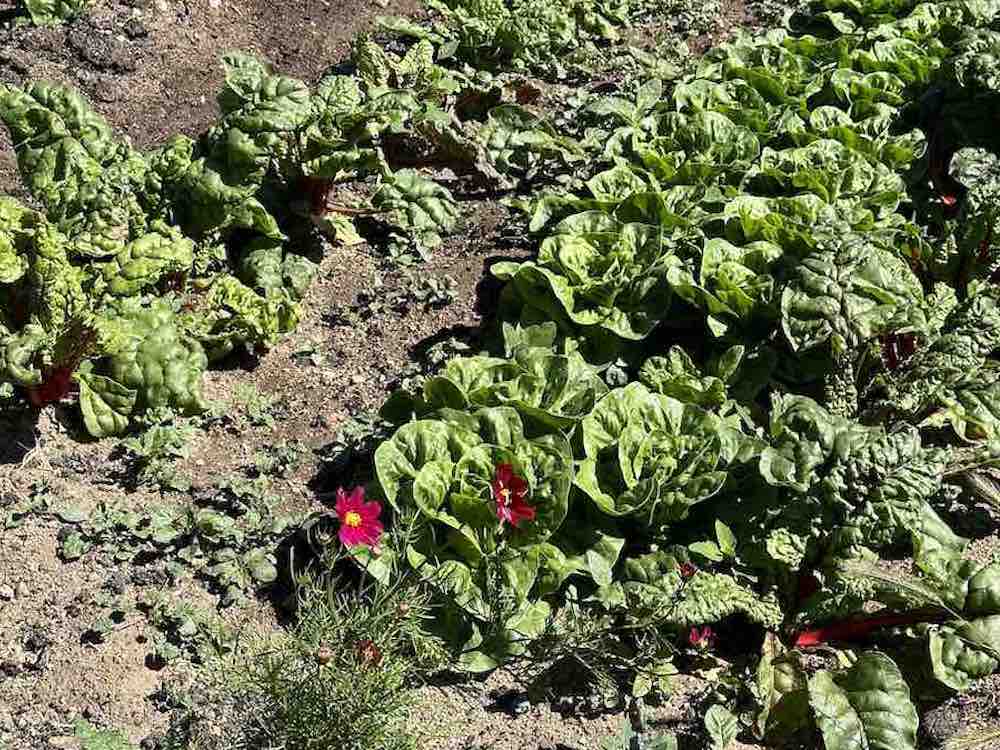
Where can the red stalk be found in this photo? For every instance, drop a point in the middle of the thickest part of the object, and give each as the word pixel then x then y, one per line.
pixel 856 630
pixel 57 383
pixel 317 189
pixel 55 387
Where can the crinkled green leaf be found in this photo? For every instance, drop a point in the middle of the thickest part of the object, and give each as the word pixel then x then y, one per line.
pixel 867 705
pixel 106 405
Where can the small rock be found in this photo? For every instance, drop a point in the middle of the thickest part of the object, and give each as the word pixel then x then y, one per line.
pixel 6 593
pixel 15 61
pixel 23 590
pixel 135 29
pixel 63 741
pixel 104 90
pixel 214 4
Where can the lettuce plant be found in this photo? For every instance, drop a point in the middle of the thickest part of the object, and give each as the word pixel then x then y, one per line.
pixel 143 268
pixel 792 253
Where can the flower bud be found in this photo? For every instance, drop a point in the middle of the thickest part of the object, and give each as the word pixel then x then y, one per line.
pixel 368 653
pixel 324 655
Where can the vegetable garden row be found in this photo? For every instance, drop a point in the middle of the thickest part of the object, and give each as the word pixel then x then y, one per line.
pixel 750 367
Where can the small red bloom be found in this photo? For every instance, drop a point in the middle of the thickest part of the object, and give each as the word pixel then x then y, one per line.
pixel 703 638
pixel 359 521
pixel 368 653
pixel 688 570
pixel 509 492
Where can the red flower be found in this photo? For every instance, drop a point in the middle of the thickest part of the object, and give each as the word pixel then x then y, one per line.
pixel 509 492
pixel 703 638
pixel 359 523
pixel 368 653
pixel 688 570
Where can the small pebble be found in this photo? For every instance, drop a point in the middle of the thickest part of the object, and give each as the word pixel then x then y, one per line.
pixel 6 593
pixel 22 590
pixel 135 29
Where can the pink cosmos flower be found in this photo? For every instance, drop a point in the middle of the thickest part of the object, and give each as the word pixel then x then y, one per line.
pixel 509 493
pixel 359 522
pixel 703 638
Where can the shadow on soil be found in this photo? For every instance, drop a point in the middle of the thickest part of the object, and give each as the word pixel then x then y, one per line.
pixel 18 436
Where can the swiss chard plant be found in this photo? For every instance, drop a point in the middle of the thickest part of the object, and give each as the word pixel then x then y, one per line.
pixel 142 269
pixel 784 268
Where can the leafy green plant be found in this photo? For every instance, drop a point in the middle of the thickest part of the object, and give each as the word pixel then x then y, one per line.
pixel 155 451
pixel 280 459
pixel 788 259
pixel 627 737
pixel 52 12
pixel 338 675
pixel 228 541
pixel 260 409
pixel 522 34
pixel 93 738
pixel 145 268
pixel 182 629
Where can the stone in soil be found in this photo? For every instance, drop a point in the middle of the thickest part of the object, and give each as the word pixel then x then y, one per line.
pixel 135 29
pixel 102 51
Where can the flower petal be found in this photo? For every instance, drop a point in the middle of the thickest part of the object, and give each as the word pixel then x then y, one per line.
pixel 341 506
pixel 372 509
pixel 349 502
pixel 504 474
pixel 351 536
pixel 371 533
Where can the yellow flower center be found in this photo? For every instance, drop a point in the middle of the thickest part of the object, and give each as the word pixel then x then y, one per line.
pixel 505 495
pixel 352 519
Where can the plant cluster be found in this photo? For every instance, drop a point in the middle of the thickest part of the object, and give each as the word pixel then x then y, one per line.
pixel 228 537
pixel 338 678
pixel 51 12
pixel 752 366
pixel 144 268
pixel 789 262
pixel 556 40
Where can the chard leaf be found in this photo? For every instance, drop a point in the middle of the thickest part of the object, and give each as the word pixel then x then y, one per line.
pixel 961 653
pixel 867 705
pixel 106 405
pixel 722 727
pixel 846 296
pixel 416 204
